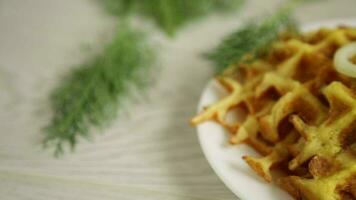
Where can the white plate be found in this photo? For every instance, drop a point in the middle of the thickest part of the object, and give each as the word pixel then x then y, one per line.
pixel 226 160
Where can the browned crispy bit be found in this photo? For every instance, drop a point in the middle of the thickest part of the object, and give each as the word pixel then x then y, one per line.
pixel 286 184
pixel 336 187
pixel 302 171
pixel 321 166
pixel 348 189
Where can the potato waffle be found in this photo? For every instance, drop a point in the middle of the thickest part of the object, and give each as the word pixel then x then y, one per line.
pixel 301 115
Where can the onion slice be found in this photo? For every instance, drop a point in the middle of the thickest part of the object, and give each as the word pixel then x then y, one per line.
pixel 342 60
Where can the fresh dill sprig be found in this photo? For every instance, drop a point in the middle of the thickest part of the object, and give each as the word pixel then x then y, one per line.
pixel 252 39
pixel 170 15
pixel 91 94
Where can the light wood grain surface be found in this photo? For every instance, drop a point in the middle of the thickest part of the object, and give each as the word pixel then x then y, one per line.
pixel 150 152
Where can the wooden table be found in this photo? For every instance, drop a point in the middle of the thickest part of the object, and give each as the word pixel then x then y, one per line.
pixel 150 152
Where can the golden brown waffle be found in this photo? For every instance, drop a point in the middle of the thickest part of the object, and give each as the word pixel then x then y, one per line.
pixel 301 115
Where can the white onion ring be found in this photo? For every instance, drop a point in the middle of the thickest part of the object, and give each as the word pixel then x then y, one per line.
pixel 342 60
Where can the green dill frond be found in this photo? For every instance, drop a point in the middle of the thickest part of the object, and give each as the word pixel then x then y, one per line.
pixel 91 93
pixel 253 39
pixel 170 15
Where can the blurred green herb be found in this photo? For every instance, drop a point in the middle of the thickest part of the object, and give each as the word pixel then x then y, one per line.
pixel 170 15
pixel 91 94
pixel 93 91
pixel 252 39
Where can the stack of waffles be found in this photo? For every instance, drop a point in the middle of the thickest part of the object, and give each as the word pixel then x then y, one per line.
pixel 300 115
